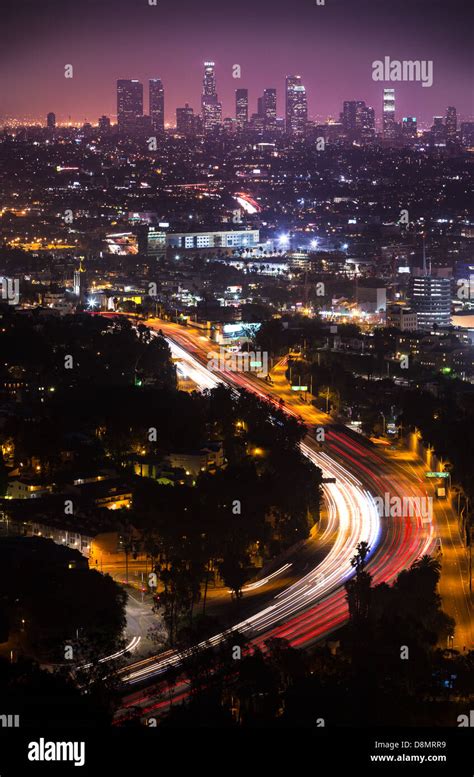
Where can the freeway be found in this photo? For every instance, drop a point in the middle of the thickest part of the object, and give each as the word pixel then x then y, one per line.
pixel 314 606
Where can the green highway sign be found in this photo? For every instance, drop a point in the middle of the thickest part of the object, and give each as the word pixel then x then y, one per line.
pixel 299 388
pixel 437 474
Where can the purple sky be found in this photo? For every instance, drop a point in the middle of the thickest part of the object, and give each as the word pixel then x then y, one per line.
pixel 331 46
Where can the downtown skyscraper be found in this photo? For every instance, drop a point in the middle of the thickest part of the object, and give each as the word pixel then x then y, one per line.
pixel 389 127
pixel 129 103
pixel 185 124
pixel 157 105
pixel 296 112
pixel 268 108
pixel 358 120
pixel 451 123
pixel 241 107
pixel 211 108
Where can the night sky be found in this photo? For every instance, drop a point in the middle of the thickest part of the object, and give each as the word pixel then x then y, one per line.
pixel 331 46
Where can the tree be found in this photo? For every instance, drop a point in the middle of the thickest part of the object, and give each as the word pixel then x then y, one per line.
pixel 233 572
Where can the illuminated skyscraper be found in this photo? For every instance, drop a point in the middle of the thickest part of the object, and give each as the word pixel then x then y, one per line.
pixel 211 107
pixel 269 103
pixel 438 131
pixel 366 122
pixel 51 120
pixel 185 120
pixel 409 127
pixel 389 126
pixel 430 298
pixel 358 120
pixel 296 106
pixel 349 115
pixel 157 105
pixel 129 103
pixel 241 107
pixel 451 123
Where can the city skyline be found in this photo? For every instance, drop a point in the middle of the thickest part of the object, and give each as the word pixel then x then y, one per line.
pixel 334 53
pixel 157 107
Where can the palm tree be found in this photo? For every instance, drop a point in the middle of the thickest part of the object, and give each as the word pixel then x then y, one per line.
pixel 428 563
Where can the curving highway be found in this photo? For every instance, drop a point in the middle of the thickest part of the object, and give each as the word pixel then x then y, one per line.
pixel 315 605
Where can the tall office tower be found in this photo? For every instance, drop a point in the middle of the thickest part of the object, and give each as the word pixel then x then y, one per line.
pixel 211 107
pixel 365 121
pixel 185 121
pixel 358 120
pixel 451 123
pixel 129 103
pixel 241 107
pixel 409 127
pixel 389 127
pixel 269 107
pixel 296 106
pixel 350 116
pixel 157 105
pixel 51 120
pixel 438 131
pixel 430 298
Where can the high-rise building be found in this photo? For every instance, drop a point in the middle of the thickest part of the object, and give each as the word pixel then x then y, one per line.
pixel 296 106
pixel 211 107
pixel 269 103
pixel 389 127
pixel 430 299
pixel 451 123
pixel 129 103
pixel 366 122
pixel 349 114
pixel 438 131
pixel 157 105
pixel 51 120
pixel 358 120
pixel 409 127
pixel 241 107
pixel 185 120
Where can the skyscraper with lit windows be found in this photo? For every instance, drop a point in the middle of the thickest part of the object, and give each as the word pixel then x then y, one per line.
pixel 296 106
pixel 185 121
pixel 269 105
pixel 210 105
pixel 241 107
pixel 451 123
pixel 409 127
pixel 389 127
pixel 129 103
pixel 157 105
